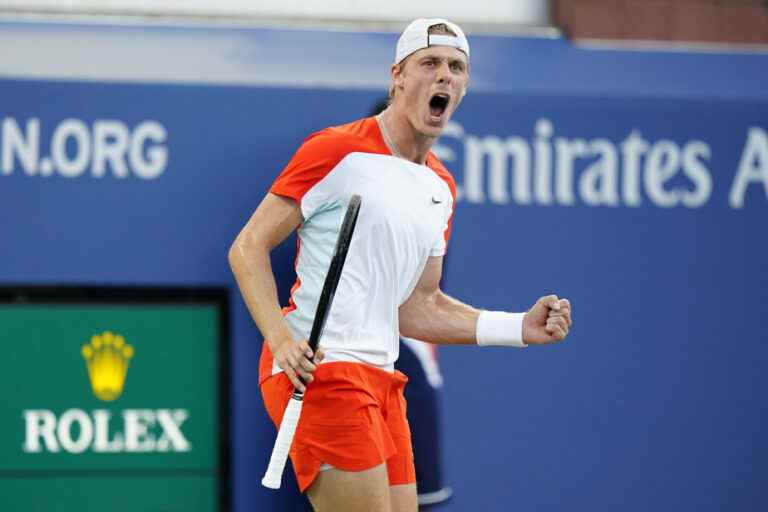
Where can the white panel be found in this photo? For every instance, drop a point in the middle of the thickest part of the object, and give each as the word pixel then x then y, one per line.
pixel 202 55
pixel 521 12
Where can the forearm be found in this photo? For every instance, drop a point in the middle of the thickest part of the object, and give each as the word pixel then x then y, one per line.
pixel 252 268
pixel 439 318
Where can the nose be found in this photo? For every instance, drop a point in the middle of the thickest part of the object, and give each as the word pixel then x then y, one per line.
pixel 444 73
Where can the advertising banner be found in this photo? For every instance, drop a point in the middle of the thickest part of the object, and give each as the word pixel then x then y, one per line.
pixel 110 399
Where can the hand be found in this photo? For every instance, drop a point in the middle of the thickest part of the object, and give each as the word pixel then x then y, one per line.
pixel 296 360
pixel 548 321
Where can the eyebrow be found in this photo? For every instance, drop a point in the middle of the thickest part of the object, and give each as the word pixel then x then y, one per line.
pixel 450 60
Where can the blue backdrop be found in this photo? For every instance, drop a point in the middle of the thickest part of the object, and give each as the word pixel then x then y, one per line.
pixel 644 204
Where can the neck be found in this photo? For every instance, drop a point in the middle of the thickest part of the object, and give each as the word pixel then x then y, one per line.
pixel 408 143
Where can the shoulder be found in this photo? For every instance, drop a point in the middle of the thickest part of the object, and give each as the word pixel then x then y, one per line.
pixel 322 152
pixel 335 142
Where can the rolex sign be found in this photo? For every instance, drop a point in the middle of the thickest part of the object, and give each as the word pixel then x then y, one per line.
pixel 108 395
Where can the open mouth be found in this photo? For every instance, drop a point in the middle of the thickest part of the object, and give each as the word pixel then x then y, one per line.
pixel 438 103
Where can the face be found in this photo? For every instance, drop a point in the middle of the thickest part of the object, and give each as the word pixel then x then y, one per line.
pixel 430 84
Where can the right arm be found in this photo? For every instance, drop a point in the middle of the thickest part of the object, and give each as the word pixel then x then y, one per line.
pixel 432 316
pixel 274 219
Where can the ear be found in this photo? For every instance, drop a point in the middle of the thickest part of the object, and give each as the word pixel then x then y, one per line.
pixel 398 77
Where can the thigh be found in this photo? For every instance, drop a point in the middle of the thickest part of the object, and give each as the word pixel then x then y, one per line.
pixel 403 498
pixel 341 422
pixel 335 490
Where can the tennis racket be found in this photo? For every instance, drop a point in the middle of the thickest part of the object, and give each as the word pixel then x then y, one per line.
pixel 274 474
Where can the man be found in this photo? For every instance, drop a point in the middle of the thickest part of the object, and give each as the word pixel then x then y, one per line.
pixel 352 447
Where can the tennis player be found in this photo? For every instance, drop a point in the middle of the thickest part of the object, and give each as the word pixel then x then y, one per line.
pixel 352 449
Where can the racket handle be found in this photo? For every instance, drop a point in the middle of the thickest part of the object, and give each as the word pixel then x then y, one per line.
pixel 274 474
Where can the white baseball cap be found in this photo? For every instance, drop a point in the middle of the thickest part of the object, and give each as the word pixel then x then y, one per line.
pixel 416 36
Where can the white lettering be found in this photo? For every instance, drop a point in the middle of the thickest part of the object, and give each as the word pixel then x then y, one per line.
pixel 137 435
pixel 64 431
pixel 101 442
pixel 567 151
pixel 521 156
pixel 77 130
pixel 474 175
pixel 75 146
pixel 40 423
pixel 157 155
pixel 498 153
pixel 24 146
pixel 109 145
pixel 753 167
pixel 619 175
pixel 76 431
pixel 543 177
pixel 171 422
pixel 599 182
pixel 632 150
pixel 693 167
pixel 661 166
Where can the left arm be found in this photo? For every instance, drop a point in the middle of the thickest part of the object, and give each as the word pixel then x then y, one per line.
pixel 431 315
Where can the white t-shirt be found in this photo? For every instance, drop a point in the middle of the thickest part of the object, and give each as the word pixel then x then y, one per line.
pixel 404 219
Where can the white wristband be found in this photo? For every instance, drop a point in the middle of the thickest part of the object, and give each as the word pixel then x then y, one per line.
pixel 500 328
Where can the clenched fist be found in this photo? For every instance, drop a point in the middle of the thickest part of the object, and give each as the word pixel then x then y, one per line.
pixel 548 321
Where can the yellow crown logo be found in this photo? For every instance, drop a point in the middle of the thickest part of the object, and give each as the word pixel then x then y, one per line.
pixel 107 358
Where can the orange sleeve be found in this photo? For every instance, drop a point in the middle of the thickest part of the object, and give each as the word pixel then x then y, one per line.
pixel 314 159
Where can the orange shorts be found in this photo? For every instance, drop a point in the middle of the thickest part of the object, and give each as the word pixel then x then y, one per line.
pixel 353 418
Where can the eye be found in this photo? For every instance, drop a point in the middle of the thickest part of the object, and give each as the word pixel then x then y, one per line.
pixel 457 66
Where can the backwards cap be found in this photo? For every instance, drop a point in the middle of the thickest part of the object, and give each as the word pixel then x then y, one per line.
pixel 416 36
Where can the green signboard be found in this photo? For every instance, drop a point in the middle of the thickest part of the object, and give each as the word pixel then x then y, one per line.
pixel 112 400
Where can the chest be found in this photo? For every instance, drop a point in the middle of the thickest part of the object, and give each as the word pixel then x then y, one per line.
pixel 400 198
